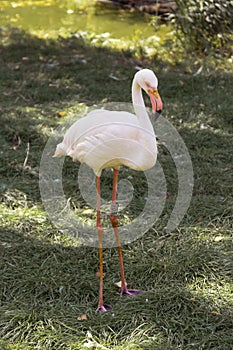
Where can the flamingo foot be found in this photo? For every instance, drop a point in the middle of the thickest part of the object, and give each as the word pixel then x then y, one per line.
pixel 130 292
pixel 103 308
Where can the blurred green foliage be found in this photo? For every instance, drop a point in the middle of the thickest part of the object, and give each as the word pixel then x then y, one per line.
pixel 204 25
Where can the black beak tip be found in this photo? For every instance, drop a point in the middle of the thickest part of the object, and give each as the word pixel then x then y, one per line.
pixel 156 115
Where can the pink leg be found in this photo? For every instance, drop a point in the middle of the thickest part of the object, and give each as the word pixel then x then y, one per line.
pixel 101 306
pixel 114 220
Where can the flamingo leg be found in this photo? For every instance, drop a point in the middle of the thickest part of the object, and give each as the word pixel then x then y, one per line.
pixel 101 306
pixel 114 220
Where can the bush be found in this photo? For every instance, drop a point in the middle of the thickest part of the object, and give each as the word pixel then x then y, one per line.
pixel 204 24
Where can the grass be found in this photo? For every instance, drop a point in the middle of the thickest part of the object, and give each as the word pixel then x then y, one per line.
pixel 47 278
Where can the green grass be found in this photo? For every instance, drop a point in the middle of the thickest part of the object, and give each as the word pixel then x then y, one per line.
pixel 47 278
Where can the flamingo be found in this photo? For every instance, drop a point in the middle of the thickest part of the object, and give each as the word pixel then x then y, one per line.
pixel 104 139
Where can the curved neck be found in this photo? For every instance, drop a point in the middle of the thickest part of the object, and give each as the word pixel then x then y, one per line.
pixel 137 94
pixel 139 107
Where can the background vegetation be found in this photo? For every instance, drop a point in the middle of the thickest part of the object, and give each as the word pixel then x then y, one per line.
pixel 48 281
pixel 205 25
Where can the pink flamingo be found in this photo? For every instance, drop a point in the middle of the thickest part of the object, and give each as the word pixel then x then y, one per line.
pixel 104 139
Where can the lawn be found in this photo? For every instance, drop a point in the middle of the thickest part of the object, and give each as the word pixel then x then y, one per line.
pixel 47 278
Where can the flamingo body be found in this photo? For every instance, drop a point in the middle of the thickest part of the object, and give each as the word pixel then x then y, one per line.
pixel 106 139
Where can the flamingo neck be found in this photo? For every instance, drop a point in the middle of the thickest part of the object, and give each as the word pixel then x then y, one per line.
pixel 137 95
pixel 139 107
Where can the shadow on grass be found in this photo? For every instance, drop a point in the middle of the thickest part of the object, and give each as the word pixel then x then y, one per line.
pixel 38 71
pixel 45 287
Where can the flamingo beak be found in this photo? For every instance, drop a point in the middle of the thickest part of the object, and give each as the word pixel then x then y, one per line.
pixel 156 102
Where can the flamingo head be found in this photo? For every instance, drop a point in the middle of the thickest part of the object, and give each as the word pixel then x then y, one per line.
pixel 149 82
